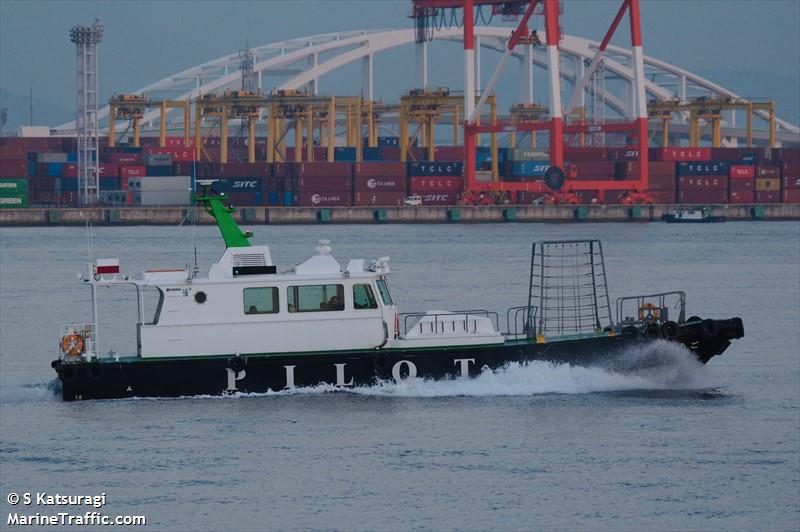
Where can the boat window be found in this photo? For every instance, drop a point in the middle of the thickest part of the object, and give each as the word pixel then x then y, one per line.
pixel 260 300
pixel 383 288
pixel 363 297
pixel 316 298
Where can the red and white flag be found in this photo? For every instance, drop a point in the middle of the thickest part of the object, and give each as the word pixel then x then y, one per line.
pixel 106 266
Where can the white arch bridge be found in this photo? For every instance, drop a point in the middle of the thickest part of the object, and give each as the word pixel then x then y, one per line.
pixel 301 62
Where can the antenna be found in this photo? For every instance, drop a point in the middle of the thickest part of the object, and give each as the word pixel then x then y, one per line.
pixel 30 105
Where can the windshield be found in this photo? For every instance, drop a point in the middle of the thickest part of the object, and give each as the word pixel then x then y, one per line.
pixel 383 288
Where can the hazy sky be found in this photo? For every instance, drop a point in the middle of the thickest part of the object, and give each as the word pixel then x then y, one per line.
pixel 743 41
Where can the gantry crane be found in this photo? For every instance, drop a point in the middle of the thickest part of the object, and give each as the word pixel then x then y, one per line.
pixel 133 106
pixel 710 109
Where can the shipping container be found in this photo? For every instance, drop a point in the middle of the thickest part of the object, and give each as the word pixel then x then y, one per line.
pixel 51 157
pixel 584 154
pixel 622 154
pixel 15 201
pixel 791 195
pixel 525 169
pixel 663 197
pixel 791 182
pixel 630 169
pixel 703 182
pixel 13 168
pixel 132 171
pixel 526 154
pixel 152 191
pixel 246 170
pixel 130 159
pixel 707 195
pixel 768 171
pixel 110 183
pixel 437 168
pixel 682 154
pixel 13 152
pixel 13 186
pixel 322 199
pixel 448 153
pixel 378 184
pixel 418 185
pixel 54 169
pixel 705 168
pixel 440 198
pixel 156 159
pixel 382 169
pixel 159 171
pixel 768 184
pixel 741 171
pixel 747 155
pixel 739 193
pixel 371 154
pixel 239 184
pixel 791 168
pixel 344 154
pixel 379 198
pixel 337 169
pixel 768 196
pixel 245 198
pixel 594 169
pixel 321 184
pixel 388 141
pixel 390 153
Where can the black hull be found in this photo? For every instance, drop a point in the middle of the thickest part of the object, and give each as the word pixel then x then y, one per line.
pixel 108 379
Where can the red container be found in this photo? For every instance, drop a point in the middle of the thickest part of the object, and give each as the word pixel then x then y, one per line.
pixel 448 153
pixel 106 170
pixel 321 199
pixel 768 171
pixel 630 170
pixel 322 184
pixel 622 154
pixel 245 170
pixel 742 172
pixel 69 170
pixel 791 195
pixel 132 171
pixel 768 196
pixel 372 169
pixel 420 185
pixel 595 169
pixel 179 154
pixel 711 182
pixel 390 153
pixel 125 158
pixel 12 152
pixel 683 154
pixel 381 198
pixel 323 169
pixel 703 196
pixel 791 183
pixel 282 169
pixel 14 168
pixel 440 198
pixel 741 196
pixel 177 142
pixel 736 154
pixel 377 184
pixel 584 154
pixel 791 168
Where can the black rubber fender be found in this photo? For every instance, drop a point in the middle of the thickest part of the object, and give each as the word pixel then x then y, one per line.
pixel 710 329
pixel 669 330
pixel 629 331
pixel 653 331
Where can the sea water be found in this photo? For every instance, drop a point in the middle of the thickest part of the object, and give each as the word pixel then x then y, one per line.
pixel 540 446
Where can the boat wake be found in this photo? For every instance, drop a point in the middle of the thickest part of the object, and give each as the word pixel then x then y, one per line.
pixel 31 393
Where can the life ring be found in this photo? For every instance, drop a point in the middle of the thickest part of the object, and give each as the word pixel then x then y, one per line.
pixel 648 312
pixel 72 345
pixel 670 330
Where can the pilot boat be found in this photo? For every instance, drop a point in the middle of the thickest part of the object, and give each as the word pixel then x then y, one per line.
pixel 245 327
pixel 686 215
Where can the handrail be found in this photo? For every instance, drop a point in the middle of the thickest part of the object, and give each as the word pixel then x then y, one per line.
pixel 652 307
pixel 493 316
pixel 528 322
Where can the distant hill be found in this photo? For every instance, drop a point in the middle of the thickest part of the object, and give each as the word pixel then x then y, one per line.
pixel 44 112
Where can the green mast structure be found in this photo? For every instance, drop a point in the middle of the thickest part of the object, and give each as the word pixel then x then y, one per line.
pixel 233 236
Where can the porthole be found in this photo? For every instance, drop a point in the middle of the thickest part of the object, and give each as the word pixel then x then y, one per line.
pixel 200 297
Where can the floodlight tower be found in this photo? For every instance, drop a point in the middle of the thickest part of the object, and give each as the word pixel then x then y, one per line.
pixel 86 39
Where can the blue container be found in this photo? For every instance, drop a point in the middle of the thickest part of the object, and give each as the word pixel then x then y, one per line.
pixel 109 183
pixel 238 184
pixel 32 156
pixel 159 171
pixel 127 149
pixel 72 156
pixel 288 199
pixel 372 154
pixel 31 168
pixel 54 169
pixel 388 141
pixel 703 168
pixel 272 198
pixel 66 183
pixel 528 168
pixel 483 154
pixel 750 158
pixel 436 168
pixel 342 154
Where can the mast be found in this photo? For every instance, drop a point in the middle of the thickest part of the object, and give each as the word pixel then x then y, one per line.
pixel 233 236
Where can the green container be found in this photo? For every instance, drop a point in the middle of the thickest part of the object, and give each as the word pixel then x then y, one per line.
pixel 380 215
pixel 13 187
pixel 510 214
pixel 454 215
pixel 16 201
pixel 112 216
pixel 635 213
pixel 54 217
pixel 324 215
pixel 581 213
pixel 757 211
